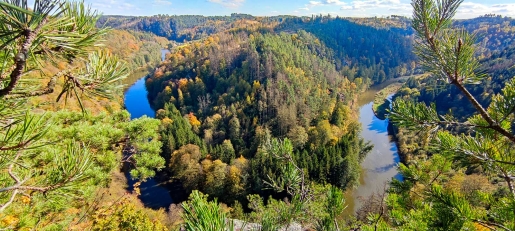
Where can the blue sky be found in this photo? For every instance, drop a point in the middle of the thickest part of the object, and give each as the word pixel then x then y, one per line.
pixel 350 8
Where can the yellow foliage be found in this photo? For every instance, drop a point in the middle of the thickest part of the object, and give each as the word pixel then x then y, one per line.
pixel 218 162
pixel 193 120
pixel 206 164
pixel 454 184
pixel 137 190
pixel 182 83
pixel 234 173
pixel 9 221
pixel 166 121
pixel 480 227
pixel 216 117
pixel 332 104
pixel 124 215
pixel 25 199
pixel 185 51
pixel 168 90
pixel 256 85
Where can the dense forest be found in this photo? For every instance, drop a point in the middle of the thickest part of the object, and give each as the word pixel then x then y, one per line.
pixel 256 119
pixel 376 53
pixel 237 91
pixel 180 28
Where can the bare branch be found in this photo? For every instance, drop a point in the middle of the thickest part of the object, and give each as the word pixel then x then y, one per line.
pixel 4 206
pixel 11 166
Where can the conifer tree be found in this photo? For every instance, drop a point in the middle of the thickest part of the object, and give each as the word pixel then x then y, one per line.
pixel 54 153
pixel 449 55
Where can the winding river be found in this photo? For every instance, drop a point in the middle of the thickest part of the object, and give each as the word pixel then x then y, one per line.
pixel 378 167
pixel 153 195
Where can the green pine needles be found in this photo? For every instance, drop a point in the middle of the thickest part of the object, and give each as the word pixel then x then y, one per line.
pixel 449 54
pixel 53 161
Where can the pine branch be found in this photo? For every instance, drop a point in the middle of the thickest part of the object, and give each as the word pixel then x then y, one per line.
pixel 446 11
pixel 482 111
pixel 21 58
pixel 7 72
pixel 49 89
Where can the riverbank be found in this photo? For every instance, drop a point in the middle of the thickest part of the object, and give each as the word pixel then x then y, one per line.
pixel 381 100
pixel 380 165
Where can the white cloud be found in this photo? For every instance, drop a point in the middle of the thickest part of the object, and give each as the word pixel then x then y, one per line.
pixel 375 4
pixel 229 3
pixel 115 5
pixel 401 7
pixel 314 3
pixel 325 3
pixel 334 2
pixel 470 10
pixel 161 3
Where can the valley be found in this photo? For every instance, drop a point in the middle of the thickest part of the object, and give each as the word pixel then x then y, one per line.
pixel 196 122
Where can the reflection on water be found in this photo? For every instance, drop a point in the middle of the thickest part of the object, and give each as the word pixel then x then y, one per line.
pixel 152 194
pixel 380 165
pixel 136 102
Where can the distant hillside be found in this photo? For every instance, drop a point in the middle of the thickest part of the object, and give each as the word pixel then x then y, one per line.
pixel 494 33
pixel 359 50
pixel 180 28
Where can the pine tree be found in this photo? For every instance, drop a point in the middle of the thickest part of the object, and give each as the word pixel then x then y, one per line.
pixel 449 55
pixel 50 31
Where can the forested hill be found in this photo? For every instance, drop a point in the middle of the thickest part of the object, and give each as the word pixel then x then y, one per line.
pixel 179 28
pixel 377 53
pixel 237 91
pixel 377 50
pixel 222 96
pixel 494 33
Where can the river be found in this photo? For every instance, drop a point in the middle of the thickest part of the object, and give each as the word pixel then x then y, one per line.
pixel 378 167
pixel 153 195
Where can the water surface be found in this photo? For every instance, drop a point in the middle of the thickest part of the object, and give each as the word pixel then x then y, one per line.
pixel 380 165
pixel 136 102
